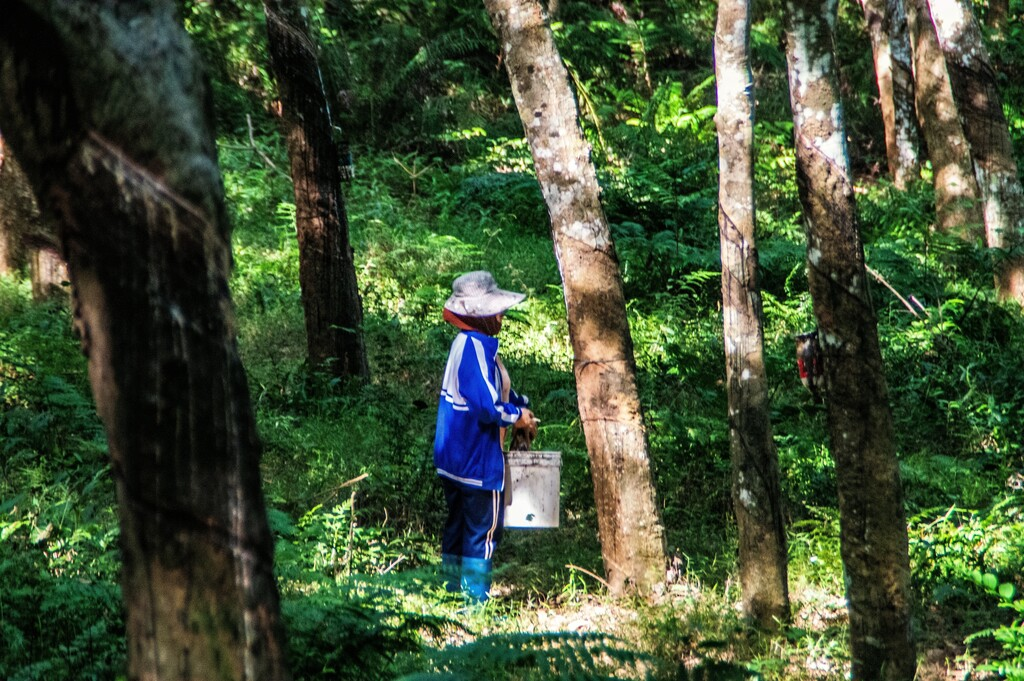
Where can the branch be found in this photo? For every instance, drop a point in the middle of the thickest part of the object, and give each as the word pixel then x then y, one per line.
pixel 588 572
pixel 896 293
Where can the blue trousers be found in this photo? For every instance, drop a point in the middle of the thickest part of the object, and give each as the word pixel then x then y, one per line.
pixel 471 533
pixel 475 521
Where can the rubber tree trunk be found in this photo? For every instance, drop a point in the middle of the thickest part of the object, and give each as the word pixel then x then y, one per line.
pixel 756 495
pixel 27 241
pixel 981 111
pixel 890 46
pixel 108 111
pixel 632 535
pixel 998 14
pixel 327 274
pixel 957 198
pixel 873 528
pixel 17 210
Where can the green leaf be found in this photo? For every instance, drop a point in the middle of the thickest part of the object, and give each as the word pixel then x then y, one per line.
pixel 11 528
pixel 1007 591
pixel 989 581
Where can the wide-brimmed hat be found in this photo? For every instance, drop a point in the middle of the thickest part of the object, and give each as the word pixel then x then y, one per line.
pixel 476 294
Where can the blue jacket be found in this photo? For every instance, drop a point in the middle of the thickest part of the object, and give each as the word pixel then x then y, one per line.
pixel 470 413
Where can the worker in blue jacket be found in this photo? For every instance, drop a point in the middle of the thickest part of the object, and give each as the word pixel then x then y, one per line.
pixel 472 415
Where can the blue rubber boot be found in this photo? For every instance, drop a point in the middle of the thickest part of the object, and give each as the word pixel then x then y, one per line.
pixel 476 578
pixel 451 571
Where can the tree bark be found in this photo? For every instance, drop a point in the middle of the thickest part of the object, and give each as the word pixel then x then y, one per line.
pixel 756 495
pixel 998 14
pixel 890 46
pixel 873 529
pixel 632 535
pixel 106 107
pixel 981 112
pixel 17 209
pixel 327 274
pixel 957 198
pixel 27 240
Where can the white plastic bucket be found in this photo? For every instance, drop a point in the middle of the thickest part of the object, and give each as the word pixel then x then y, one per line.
pixel 535 479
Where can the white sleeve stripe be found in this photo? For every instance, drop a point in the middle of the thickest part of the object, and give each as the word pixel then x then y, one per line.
pixel 481 361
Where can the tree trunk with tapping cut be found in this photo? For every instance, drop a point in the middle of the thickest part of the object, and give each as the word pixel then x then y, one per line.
pixel 957 198
pixel 873 528
pixel 756 494
pixel 109 114
pixel 981 111
pixel 632 535
pixel 327 274
pixel 890 46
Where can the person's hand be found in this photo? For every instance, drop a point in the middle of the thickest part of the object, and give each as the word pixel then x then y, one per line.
pixel 524 430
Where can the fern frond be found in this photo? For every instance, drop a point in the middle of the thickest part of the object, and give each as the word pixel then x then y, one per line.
pixel 556 655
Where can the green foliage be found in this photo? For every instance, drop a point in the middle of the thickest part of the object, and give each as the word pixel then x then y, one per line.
pixel 351 632
pixel 814 549
pixel 230 37
pixel 60 610
pixel 444 184
pixel 556 655
pixel 56 627
pixel 332 543
pixel 952 550
pixel 1010 663
pixel 411 70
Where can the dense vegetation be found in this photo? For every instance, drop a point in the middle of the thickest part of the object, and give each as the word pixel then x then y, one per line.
pixel 443 185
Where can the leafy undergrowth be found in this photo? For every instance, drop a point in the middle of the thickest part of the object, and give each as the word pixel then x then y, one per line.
pixel 348 473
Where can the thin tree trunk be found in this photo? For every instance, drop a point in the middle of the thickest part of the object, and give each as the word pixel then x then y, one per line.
pixel 890 45
pixel 327 275
pixel 981 112
pixel 27 241
pixel 757 498
pixel 16 204
pixel 48 271
pixel 873 529
pixel 632 535
pixel 107 109
pixel 998 14
pixel 957 198
pixel 19 214
pixel 908 133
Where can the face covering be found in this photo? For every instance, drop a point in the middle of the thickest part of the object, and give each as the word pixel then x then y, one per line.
pixel 488 325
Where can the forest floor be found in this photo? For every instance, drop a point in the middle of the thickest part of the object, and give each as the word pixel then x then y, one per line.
pixel 812 648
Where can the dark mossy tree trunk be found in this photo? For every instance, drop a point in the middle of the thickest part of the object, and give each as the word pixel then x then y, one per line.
pixel 756 494
pixel 327 274
pixel 890 45
pixel 873 528
pixel 981 111
pixel 107 109
pixel 957 198
pixel 632 535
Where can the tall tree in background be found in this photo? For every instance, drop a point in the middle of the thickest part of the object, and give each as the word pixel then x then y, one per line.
pixel 107 110
pixel 998 13
pixel 27 241
pixel 873 528
pixel 890 45
pixel 756 496
pixel 957 199
pixel 632 535
pixel 327 274
pixel 17 205
pixel 981 111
